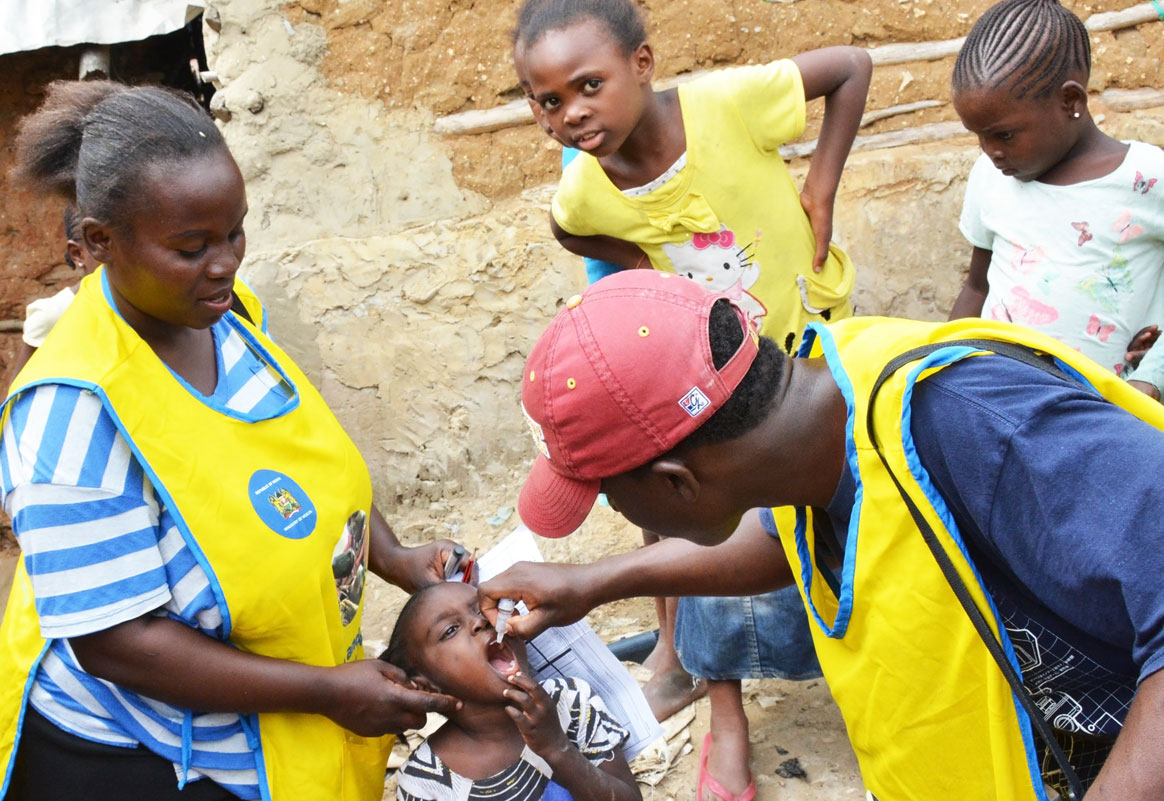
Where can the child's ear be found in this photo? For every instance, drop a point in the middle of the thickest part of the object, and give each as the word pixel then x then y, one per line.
pixel 1073 96
pixel 423 683
pixel 96 237
pixel 643 61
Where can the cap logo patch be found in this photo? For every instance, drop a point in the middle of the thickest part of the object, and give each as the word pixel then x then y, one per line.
pixel 539 436
pixel 694 402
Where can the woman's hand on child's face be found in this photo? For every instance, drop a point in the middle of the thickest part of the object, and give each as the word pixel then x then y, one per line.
pixel 371 697
pixel 536 716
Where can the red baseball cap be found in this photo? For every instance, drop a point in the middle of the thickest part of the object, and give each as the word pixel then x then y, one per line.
pixel 623 374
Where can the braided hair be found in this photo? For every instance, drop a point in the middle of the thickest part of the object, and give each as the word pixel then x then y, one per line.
pixel 621 18
pixel 1030 47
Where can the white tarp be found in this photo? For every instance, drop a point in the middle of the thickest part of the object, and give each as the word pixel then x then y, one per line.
pixel 33 24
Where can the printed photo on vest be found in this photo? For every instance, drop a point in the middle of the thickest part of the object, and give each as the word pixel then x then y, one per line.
pixel 348 564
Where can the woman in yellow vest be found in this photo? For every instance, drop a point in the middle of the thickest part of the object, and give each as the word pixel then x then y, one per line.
pixel 196 528
pixel 997 622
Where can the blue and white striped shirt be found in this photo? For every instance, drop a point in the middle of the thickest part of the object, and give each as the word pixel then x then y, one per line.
pixel 101 549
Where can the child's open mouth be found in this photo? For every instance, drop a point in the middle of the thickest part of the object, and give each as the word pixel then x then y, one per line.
pixel 500 658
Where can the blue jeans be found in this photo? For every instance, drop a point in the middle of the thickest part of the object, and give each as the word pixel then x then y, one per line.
pixel 750 637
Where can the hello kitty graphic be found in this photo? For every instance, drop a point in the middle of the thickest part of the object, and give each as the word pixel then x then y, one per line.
pixel 719 263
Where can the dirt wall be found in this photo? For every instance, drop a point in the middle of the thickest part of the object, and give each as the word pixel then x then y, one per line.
pixel 31 248
pixel 409 273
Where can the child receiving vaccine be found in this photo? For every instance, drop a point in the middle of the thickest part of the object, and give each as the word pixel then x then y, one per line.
pixel 1067 223
pixel 690 180
pixel 513 739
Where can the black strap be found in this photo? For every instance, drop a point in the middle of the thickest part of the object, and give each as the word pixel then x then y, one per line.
pixel 239 308
pixel 1027 356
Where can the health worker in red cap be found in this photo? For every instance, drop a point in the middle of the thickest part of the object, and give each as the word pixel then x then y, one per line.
pixel 997 628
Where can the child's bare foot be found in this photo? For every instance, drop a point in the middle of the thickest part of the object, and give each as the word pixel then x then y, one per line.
pixel 659 655
pixel 672 688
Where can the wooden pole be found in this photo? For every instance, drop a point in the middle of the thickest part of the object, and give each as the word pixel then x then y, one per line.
pixel 484 120
pixel 870 117
pixel 914 51
pixel 1131 99
pixel 1117 20
pixel 932 132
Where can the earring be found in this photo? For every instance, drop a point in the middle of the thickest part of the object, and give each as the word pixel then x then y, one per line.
pixel 1075 115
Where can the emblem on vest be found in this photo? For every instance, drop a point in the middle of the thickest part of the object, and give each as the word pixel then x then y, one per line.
pixel 285 502
pixel 281 504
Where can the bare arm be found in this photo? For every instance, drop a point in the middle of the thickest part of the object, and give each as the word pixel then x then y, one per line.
pixel 973 294
pixel 171 662
pixel 22 357
pixel 604 248
pixel 1135 769
pixel 407 568
pixel 535 715
pixel 841 75
pixel 749 562
pixel 610 781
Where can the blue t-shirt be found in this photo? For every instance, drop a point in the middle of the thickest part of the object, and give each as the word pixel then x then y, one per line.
pixel 1058 496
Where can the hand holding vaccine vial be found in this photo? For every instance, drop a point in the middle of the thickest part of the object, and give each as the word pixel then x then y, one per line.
pixel 504 610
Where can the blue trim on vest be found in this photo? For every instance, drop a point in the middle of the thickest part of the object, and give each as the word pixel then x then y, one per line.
pixel 849 567
pixel 1078 376
pixel 289 406
pixel 28 682
pixel 187 747
pixel 938 359
pixel 250 725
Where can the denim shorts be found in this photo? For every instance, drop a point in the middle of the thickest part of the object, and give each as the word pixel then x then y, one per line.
pixel 749 637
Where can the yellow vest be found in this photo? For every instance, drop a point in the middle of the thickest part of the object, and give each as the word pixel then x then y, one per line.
pixel 929 712
pixel 263 504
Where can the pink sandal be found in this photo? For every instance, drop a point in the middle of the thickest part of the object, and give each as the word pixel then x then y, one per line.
pixel 716 788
